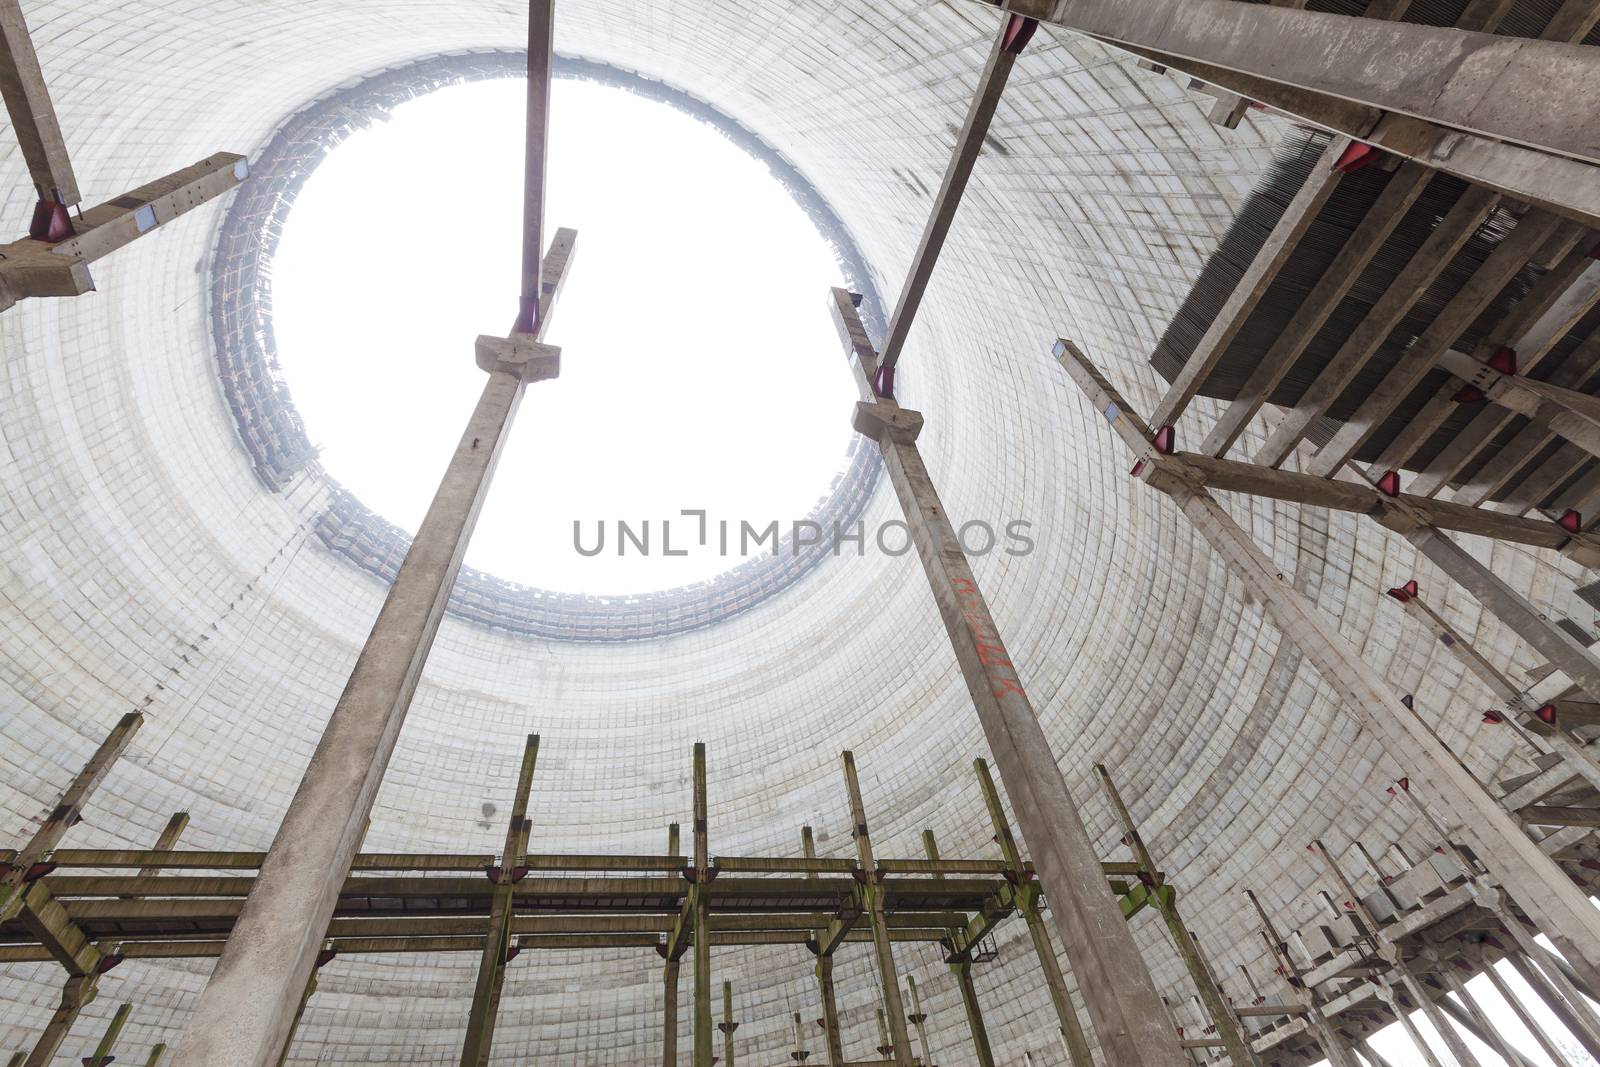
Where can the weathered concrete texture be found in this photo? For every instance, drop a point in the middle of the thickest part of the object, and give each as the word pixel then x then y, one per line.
pixel 139 549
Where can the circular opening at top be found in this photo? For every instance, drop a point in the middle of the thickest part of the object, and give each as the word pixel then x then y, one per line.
pixel 699 370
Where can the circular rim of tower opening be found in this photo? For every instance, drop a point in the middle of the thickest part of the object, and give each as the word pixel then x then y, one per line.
pixel 275 439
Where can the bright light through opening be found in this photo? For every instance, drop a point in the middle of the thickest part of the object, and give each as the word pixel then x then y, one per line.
pixel 699 367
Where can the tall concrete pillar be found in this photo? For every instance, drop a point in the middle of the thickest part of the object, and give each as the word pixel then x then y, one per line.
pixel 969 1002
pixel 79 991
pixel 701 909
pixel 669 984
pixel 727 1025
pixel 108 1041
pixel 877 918
pixel 919 1019
pixel 833 1040
pixel 1118 992
pixel 244 1014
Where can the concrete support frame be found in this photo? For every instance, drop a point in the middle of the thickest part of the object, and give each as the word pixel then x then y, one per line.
pixel 727 1025
pixel 1333 1044
pixel 1028 903
pixel 669 984
pixel 33 117
pixel 700 912
pixel 872 897
pixel 497 937
pixel 833 1040
pixel 919 1019
pixel 1532 878
pixel 1119 995
pixel 1229 1027
pixel 243 1016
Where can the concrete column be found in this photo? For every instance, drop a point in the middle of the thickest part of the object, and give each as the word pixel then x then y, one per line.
pixel 1118 993
pixel 78 992
pixel 299 1013
pixel 1229 1027
pixel 485 1010
pixel 885 1042
pixel 701 905
pixel 1547 1041
pixel 102 1052
pixel 1565 1002
pixel 872 894
pixel 969 1001
pixel 243 1015
pixel 158 1053
pixel 669 982
pixel 1333 1045
pixel 919 1019
pixel 833 1040
pixel 33 118
pixel 1488 1032
pixel 1028 894
pixel 1387 994
pixel 727 1025
pixel 1501 601
pixel 66 813
pixel 799 1055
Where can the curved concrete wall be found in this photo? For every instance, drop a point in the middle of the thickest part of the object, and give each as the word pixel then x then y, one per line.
pixel 143 566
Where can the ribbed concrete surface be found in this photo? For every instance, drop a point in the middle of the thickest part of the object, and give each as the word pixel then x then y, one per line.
pixel 142 565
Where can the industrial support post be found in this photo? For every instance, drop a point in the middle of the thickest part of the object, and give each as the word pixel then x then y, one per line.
pixel 832 1039
pixel 919 1019
pixel 497 949
pixel 243 1016
pixel 1229 1027
pixel 872 895
pixel 1028 897
pixel 1118 992
pixel 960 963
pixel 727 1025
pixel 1532 878
pixel 700 907
pixel 108 1041
pixel 29 862
pixel 669 983
pixel 1333 1046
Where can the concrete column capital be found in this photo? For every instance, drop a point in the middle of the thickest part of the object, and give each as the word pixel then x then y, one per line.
pixel 875 420
pixel 519 354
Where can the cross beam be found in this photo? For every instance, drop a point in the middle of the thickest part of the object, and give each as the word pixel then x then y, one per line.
pixel 33 117
pixel 59 266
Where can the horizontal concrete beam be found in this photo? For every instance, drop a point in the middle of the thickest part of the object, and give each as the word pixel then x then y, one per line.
pixel 1507 89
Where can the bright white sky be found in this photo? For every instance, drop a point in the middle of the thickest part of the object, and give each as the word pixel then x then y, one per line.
pixel 699 365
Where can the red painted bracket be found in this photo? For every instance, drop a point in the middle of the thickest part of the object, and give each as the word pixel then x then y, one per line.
pixel 1470 394
pixel 1389 484
pixel 1570 521
pixel 38 871
pixel 1165 440
pixel 1504 360
pixel 108 963
pixel 1356 156
pixel 1546 715
pixel 51 222
pixel 883 384
pixel 326 956
pixel 1019 31
pixel 1405 592
pixel 512 952
pixel 1493 718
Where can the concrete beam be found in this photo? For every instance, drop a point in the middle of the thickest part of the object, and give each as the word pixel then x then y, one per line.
pixel 1531 328
pixel 1333 1046
pixel 108 1041
pixel 30 268
pixel 1438 75
pixel 1425 265
pixel 1230 1028
pixel 33 117
pixel 243 1016
pixel 75 995
pixel 1508 257
pixel 1008 43
pixel 1545 892
pixel 538 295
pixel 1072 1035
pixel 872 896
pixel 66 813
pixel 1387 210
pixel 1257 279
pixel 1120 997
